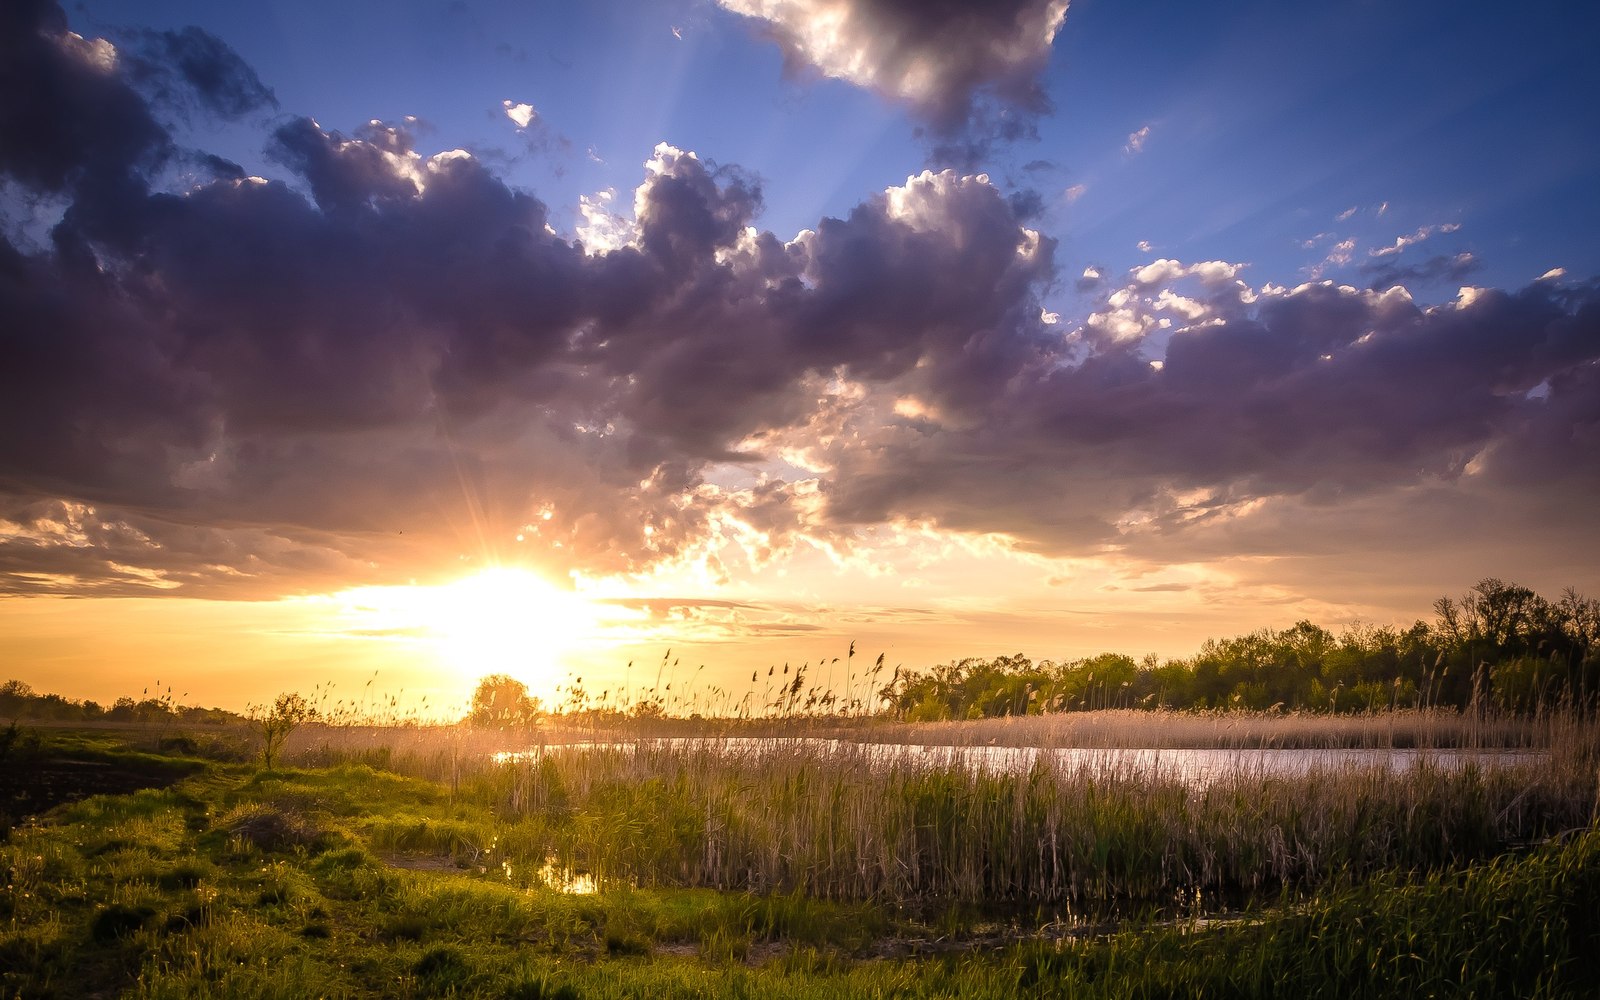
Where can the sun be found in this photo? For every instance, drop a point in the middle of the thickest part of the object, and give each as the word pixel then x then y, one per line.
pixel 501 620
pixel 507 621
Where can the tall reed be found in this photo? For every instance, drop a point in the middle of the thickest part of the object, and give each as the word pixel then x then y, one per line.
pixel 918 825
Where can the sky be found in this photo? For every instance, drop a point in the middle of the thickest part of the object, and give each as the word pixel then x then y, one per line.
pixel 664 343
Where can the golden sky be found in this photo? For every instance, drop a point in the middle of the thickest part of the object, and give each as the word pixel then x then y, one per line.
pixel 981 334
pixel 925 599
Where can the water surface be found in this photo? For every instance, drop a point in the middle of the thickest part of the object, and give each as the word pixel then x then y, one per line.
pixel 1200 766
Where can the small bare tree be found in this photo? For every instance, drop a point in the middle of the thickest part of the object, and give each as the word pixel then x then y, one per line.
pixel 276 722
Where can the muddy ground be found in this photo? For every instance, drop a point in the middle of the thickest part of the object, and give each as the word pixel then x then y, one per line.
pixel 35 778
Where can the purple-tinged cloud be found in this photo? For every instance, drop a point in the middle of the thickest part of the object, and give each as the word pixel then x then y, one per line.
pixel 1421 235
pixel 193 64
pixel 67 116
pixel 969 70
pixel 1269 396
pixel 239 389
pixel 1441 267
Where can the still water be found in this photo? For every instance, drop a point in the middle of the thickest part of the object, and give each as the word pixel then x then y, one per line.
pixel 1192 766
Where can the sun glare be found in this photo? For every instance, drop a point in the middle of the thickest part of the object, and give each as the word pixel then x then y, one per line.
pixel 502 620
pixel 509 621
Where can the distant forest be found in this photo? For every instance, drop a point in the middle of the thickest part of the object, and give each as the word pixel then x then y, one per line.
pixel 18 700
pixel 1499 645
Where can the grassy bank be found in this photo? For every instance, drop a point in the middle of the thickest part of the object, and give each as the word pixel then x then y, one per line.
pixel 799 872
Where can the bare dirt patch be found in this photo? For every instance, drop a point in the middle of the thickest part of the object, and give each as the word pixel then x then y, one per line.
pixel 421 862
pixel 36 783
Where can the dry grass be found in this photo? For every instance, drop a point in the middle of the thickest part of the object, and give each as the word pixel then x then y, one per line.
pixel 1405 728
pixel 1105 728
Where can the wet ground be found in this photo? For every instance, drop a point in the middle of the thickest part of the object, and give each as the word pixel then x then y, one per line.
pixel 34 780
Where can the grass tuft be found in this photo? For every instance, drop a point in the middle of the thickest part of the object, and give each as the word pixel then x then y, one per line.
pixel 118 920
pixel 269 827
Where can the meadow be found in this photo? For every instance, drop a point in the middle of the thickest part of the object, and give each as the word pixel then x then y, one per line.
pixel 423 861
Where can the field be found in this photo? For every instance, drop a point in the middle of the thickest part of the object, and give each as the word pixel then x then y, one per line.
pixel 413 862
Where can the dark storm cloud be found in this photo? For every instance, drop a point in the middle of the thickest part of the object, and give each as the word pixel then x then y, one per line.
pixel 1027 204
pixel 71 548
pixel 968 69
pixel 239 389
pixel 67 117
pixel 1315 395
pixel 204 67
pixel 1385 273
pixel 413 350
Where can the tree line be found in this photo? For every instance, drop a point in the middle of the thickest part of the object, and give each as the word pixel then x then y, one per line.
pixel 18 700
pixel 1498 644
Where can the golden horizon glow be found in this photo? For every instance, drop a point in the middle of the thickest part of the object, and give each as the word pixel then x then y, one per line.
pixel 421 649
pixel 501 620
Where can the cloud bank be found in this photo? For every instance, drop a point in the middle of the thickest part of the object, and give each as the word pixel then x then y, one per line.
pixel 388 365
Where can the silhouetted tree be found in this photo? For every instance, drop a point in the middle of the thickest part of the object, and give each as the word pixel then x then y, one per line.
pixel 287 712
pixel 501 701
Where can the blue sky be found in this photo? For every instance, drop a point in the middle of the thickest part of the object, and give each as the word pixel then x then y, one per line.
pixel 1266 122
pixel 1204 318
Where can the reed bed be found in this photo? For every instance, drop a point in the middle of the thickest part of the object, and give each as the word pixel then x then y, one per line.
pixel 1427 728
pixel 1431 728
pixel 913 827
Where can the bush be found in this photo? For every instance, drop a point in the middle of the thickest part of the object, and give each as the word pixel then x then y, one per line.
pixel 275 724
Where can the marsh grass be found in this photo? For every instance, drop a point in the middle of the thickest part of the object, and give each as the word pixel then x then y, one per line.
pixel 1523 927
pixel 923 829
pixel 791 867
pixel 158 894
pixel 1433 728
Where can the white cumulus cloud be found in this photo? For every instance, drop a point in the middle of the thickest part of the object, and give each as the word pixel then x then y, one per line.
pixel 522 114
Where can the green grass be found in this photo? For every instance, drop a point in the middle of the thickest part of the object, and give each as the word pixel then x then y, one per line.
pixel 349 881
